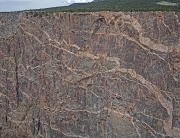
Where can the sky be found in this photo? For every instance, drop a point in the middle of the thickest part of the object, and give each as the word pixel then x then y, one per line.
pixel 16 5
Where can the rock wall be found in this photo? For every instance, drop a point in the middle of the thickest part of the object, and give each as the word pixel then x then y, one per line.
pixel 90 75
pixel 9 23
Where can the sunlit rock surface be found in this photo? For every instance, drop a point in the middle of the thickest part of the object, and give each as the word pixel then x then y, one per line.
pixel 90 75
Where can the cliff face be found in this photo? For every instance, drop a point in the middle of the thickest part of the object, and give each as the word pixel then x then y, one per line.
pixel 94 75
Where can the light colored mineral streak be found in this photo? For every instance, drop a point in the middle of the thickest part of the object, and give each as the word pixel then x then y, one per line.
pixel 164 102
pixel 148 42
pixel 174 132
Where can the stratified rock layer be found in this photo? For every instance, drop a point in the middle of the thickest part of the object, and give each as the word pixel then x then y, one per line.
pixel 93 75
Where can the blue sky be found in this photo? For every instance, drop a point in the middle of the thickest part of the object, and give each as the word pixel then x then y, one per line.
pixel 16 5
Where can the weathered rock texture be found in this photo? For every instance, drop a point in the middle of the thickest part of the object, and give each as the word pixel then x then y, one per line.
pixel 93 75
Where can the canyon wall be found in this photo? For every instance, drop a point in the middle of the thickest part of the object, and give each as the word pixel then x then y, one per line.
pixel 90 75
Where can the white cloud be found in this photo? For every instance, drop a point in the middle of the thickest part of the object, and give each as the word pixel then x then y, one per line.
pixel 16 5
pixel 69 1
pixel 79 1
pixel 22 0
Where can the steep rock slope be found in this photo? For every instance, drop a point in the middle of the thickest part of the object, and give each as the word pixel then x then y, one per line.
pixel 93 75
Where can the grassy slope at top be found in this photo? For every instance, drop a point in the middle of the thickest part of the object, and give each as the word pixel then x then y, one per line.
pixel 117 5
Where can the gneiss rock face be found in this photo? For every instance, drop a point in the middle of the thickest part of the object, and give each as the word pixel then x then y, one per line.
pixel 92 75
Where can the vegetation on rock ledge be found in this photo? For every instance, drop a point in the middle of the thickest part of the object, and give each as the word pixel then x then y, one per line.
pixel 117 5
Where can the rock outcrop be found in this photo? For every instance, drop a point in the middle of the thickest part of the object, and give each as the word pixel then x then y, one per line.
pixel 90 75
